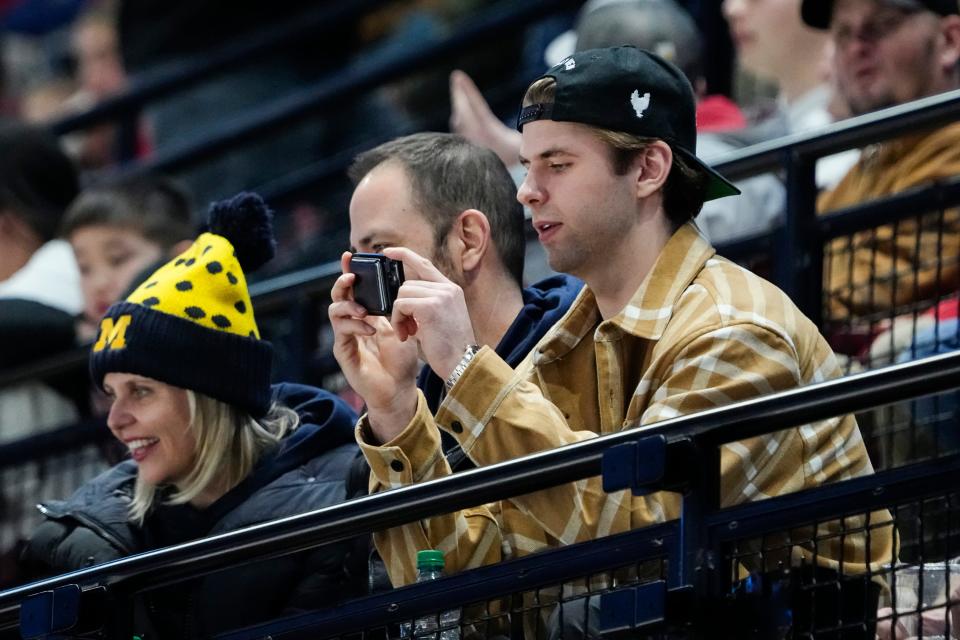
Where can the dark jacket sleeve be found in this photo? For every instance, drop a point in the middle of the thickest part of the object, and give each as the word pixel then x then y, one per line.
pixel 58 547
pixel 40 557
pixel 338 571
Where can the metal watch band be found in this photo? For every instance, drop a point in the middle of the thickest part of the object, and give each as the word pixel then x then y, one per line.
pixel 458 370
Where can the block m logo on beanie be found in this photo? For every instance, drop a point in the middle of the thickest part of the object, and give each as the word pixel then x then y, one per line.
pixel 113 335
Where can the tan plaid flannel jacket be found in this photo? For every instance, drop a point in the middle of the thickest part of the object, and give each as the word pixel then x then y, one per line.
pixel 700 332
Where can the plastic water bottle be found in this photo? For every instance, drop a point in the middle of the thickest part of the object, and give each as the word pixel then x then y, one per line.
pixel 442 626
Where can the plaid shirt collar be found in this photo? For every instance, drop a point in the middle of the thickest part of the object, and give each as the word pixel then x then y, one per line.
pixel 649 310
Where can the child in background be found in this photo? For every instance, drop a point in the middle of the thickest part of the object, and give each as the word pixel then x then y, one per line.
pixel 119 232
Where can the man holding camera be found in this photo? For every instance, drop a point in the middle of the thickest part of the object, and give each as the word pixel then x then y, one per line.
pixel 455 203
pixel 663 328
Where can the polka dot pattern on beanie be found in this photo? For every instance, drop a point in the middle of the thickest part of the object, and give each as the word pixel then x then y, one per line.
pixel 206 285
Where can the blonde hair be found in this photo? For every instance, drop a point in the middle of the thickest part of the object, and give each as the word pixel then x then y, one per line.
pixel 229 442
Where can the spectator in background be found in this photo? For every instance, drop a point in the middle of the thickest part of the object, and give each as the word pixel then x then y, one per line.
pixel 119 232
pixel 665 28
pixel 94 42
pixel 98 75
pixel 39 284
pixel 773 43
pixel 889 52
pixel 214 448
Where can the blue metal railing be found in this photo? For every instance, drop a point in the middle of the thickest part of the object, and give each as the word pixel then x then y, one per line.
pixel 706 431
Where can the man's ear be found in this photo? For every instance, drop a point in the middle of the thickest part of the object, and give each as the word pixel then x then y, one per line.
pixel 950 53
pixel 472 235
pixel 653 165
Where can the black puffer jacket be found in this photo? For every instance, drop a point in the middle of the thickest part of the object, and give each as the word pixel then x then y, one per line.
pixel 308 471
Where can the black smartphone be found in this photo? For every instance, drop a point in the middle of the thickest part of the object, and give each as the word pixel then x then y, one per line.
pixel 378 278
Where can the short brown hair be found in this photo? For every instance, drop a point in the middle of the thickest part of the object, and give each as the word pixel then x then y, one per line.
pixel 156 207
pixel 449 175
pixel 685 189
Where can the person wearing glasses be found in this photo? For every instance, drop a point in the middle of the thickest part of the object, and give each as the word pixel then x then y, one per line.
pixel 888 53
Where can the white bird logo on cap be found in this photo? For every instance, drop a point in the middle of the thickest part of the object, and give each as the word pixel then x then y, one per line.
pixel 639 103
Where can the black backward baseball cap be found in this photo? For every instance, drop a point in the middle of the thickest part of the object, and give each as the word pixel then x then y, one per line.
pixel 633 91
pixel 817 13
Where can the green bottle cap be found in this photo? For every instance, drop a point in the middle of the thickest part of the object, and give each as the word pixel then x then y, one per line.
pixel 430 559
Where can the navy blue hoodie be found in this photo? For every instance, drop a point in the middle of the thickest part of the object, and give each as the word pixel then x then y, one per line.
pixel 544 303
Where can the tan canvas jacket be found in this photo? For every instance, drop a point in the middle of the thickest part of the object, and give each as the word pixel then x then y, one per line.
pixel 700 332
pixel 913 261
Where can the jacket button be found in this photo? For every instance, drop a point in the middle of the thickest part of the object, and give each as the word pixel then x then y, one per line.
pixel 397 466
pixel 456 427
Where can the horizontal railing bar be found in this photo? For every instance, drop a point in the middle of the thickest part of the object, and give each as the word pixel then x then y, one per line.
pixel 501 481
pixel 803 405
pixel 826 502
pixel 840 136
pixel 868 215
pixel 47 367
pixel 511 576
pixel 267 294
pixel 901 206
pixel 62 440
pixel 173 77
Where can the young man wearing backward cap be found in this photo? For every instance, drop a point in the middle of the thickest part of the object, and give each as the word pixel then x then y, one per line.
pixel 664 328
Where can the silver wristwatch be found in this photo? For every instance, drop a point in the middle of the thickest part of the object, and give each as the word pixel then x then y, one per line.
pixel 458 370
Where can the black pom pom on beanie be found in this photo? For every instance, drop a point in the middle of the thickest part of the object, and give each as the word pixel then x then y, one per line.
pixel 247 222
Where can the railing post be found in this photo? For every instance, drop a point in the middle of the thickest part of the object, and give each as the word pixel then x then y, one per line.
pixel 798 258
pixel 654 464
pixel 700 558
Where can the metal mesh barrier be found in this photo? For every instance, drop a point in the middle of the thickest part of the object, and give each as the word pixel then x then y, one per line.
pixel 562 611
pixel 890 292
pixel 911 592
pixel 912 431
